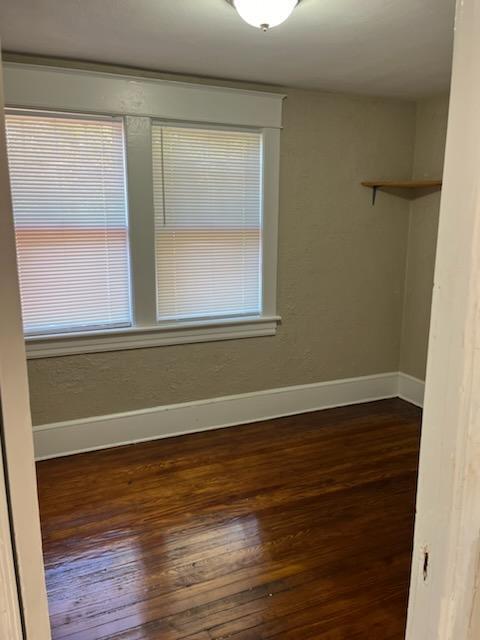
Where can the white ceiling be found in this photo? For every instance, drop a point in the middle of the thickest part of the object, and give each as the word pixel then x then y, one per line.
pixel 380 47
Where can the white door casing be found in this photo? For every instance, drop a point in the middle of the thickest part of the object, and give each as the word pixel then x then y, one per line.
pixel 446 561
pixel 17 428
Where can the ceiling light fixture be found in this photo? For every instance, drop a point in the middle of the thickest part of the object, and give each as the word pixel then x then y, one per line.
pixel 265 14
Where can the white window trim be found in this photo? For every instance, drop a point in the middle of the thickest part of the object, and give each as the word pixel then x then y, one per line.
pixel 74 90
pixel 140 100
pixel 153 336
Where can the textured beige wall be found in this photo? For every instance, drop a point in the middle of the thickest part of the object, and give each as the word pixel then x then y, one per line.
pixel 341 276
pixel 431 128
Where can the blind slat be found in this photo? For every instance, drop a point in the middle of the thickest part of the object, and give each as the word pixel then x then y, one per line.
pixel 69 203
pixel 207 198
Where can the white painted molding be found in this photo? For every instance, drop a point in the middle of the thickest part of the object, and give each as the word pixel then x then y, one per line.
pixel 17 441
pixel 163 334
pixel 43 87
pixel 411 389
pixel 101 432
pixel 444 599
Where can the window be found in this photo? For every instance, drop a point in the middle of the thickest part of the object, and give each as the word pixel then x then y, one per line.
pixel 208 202
pixel 154 223
pixel 68 191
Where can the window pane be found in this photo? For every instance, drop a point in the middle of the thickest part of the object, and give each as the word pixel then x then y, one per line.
pixel 69 202
pixel 208 203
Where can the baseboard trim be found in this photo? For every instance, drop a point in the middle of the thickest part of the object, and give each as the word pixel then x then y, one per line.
pixel 411 389
pixel 101 432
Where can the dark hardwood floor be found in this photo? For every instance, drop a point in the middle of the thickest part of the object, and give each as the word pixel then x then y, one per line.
pixel 293 529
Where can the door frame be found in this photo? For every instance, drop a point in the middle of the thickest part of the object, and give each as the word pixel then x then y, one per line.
pixel 445 585
pixel 19 511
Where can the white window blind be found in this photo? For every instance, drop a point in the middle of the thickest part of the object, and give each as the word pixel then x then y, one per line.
pixel 208 215
pixel 69 200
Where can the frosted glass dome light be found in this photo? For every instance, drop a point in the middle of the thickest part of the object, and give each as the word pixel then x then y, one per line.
pixel 265 14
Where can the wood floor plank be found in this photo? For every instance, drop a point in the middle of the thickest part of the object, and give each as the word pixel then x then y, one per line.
pixel 290 529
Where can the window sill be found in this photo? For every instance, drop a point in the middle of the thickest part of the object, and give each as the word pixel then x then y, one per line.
pixel 156 336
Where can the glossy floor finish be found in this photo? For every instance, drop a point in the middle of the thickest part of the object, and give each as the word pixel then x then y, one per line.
pixel 298 528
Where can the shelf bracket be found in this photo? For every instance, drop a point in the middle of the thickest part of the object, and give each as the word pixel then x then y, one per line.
pixel 374 195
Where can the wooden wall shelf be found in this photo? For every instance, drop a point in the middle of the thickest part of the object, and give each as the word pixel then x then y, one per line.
pixel 400 184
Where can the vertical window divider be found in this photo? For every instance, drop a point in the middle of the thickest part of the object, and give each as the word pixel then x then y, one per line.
pixel 138 146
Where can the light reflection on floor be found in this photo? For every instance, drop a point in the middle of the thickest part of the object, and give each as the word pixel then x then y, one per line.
pixel 118 562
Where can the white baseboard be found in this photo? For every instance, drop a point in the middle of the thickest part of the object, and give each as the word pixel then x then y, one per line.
pixel 411 389
pixel 101 432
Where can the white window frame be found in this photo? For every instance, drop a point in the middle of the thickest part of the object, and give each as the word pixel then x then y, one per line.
pixel 139 101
